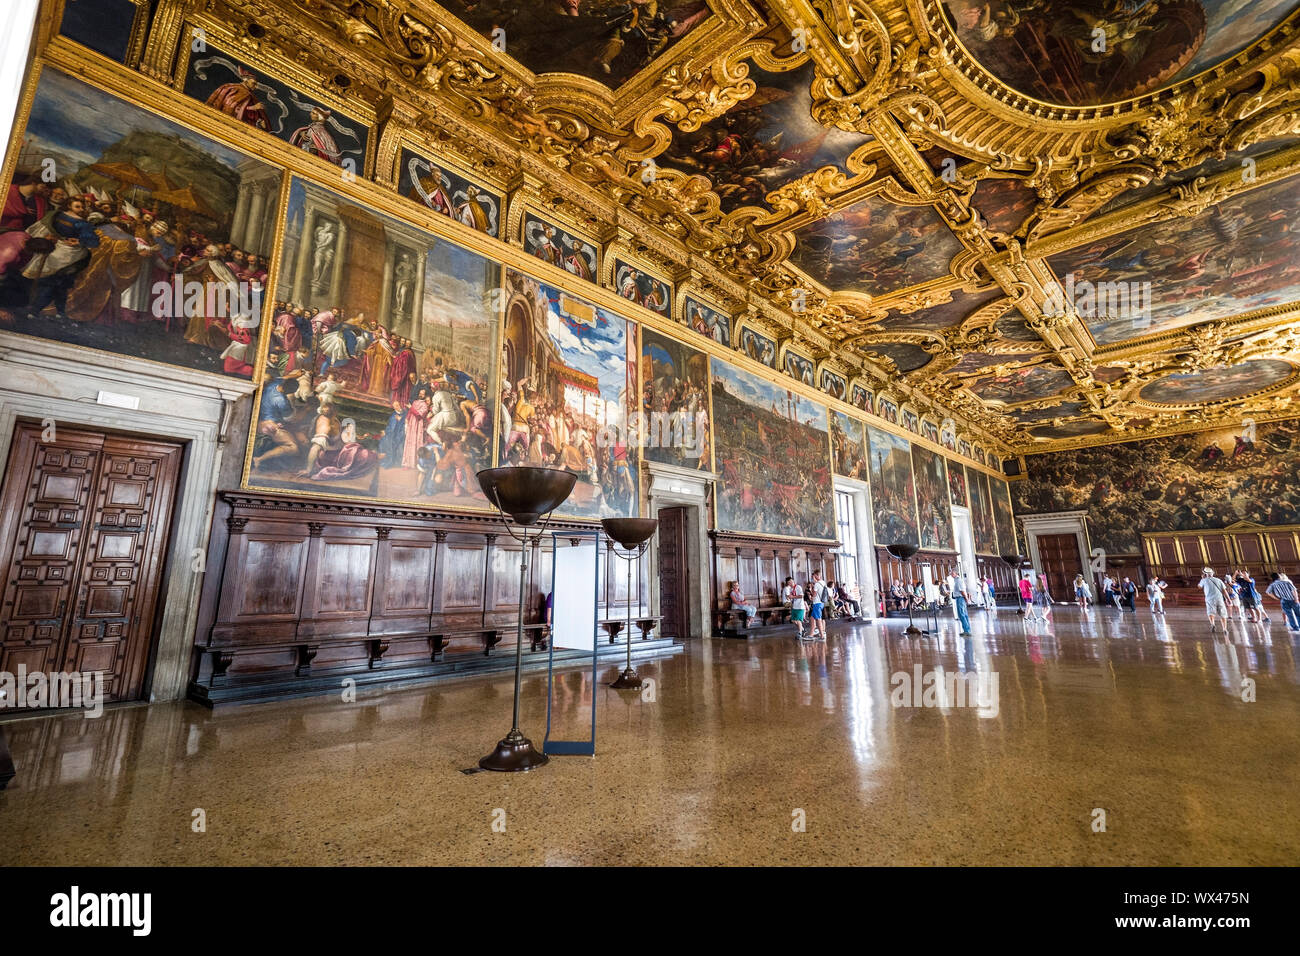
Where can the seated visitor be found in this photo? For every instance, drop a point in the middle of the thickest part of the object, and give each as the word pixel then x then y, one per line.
pixel 843 594
pixel 737 597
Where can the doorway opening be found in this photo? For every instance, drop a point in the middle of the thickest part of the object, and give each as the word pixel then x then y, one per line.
pixel 674 573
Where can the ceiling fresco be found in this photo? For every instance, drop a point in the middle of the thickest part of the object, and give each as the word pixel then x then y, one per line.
pixel 1014 214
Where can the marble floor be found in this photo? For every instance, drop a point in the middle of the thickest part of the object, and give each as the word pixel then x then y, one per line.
pixel 759 752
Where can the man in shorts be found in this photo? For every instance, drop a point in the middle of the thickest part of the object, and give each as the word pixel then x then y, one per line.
pixel 1216 607
pixel 1156 595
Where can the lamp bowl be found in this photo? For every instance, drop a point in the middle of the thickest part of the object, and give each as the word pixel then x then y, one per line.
pixel 526 494
pixel 902 551
pixel 630 532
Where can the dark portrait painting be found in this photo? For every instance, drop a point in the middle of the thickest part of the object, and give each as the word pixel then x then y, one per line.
pixel 106 26
pixel 1101 51
pixel 758 347
pixel 861 398
pixel 569 378
pixel 559 247
pixel 231 86
pixel 848 446
pixel 893 494
pixel 127 233
pixel 772 450
pixel 381 376
pixel 982 521
pixel 708 321
pixel 1180 483
pixel 606 40
pixel 766 140
pixel 798 367
pixel 833 385
pixel 933 507
pixel 449 193
pixel 642 288
pixel 674 426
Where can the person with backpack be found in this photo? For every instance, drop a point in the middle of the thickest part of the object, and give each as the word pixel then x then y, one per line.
pixel 817 603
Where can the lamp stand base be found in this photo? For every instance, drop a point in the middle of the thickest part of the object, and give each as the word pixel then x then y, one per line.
pixel 515 753
pixel 628 680
pixel 914 630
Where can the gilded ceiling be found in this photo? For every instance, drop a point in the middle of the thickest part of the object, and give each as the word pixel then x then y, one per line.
pixel 1060 222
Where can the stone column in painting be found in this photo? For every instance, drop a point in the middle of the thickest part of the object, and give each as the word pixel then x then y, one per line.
pixel 340 257
pixel 302 266
pixel 417 296
pixel 386 290
pixel 256 218
pixel 240 222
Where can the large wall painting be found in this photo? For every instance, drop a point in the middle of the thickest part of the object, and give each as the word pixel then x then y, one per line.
pixel 981 512
pixel 773 451
pixel 1180 483
pixel 569 374
pixel 381 375
pixel 449 193
pixel 848 446
pixel 957 485
pixel 231 86
pixel 147 243
pixel 674 402
pixel 933 508
pixel 893 492
pixel 1004 522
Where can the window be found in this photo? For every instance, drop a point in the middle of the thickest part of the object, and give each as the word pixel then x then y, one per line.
pixel 846 529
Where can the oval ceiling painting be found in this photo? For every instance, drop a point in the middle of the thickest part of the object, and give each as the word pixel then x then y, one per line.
pixel 1075 429
pixel 1217 384
pixel 1086 52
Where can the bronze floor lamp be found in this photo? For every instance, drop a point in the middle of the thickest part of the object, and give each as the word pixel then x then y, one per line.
pixel 903 552
pixel 523 496
pixel 633 536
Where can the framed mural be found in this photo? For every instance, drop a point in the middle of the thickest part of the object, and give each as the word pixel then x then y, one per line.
pixel 981 512
pixel 888 410
pixel 832 384
pixel 569 374
pixel 708 321
pixel 933 507
pixel 893 493
pixel 559 247
pixel 772 448
pixel 674 424
pixel 797 367
pixel 980 456
pixel 910 421
pixel 170 256
pixel 381 378
pixel 848 447
pixel 929 430
pixel 957 485
pixel 948 435
pixel 634 283
pixel 1003 519
pixel 231 86
pixel 445 191
pixel 115 28
pixel 860 397
pixel 758 347
pixel 963 448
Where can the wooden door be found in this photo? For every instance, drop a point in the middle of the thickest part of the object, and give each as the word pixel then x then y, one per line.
pixel 1059 554
pixel 83 541
pixel 674 594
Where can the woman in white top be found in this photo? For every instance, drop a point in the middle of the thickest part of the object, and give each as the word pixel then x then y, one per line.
pixel 792 597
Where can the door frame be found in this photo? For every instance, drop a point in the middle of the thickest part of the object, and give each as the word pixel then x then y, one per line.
pixel 656 587
pixel 42 379
pixel 669 486
pixel 1059 522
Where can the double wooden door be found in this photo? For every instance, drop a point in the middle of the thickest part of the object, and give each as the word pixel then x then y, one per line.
pixel 1059 555
pixel 674 591
pixel 83 542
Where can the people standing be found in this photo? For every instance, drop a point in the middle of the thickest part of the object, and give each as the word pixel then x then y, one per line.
pixel 960 597
pixel 1246 596
pixel 1230 596
pixel 1216 598
pixel 818 595
pixel 792 597
pixel 1079 594
pixel 1128 591
pixel 1156 595
pixel 1042 602
pixel 1026 592
pixel 1284 590
pixel 993 593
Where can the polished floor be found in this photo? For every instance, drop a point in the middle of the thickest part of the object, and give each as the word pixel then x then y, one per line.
pixel 737 743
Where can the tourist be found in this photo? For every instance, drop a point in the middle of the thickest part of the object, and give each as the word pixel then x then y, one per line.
pixel 959 599
pixel 1156 595
pixel 1216 598
pixel 1246 596
pixel 1230 596
pixel 1079 594
pixel 792 597
pixel 817 587
pixel 1042 602
pixel 1128 591
pixel 737 597
pixel 1281 588
pixel 847 600
pixel 1026 592
pixel 993 594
